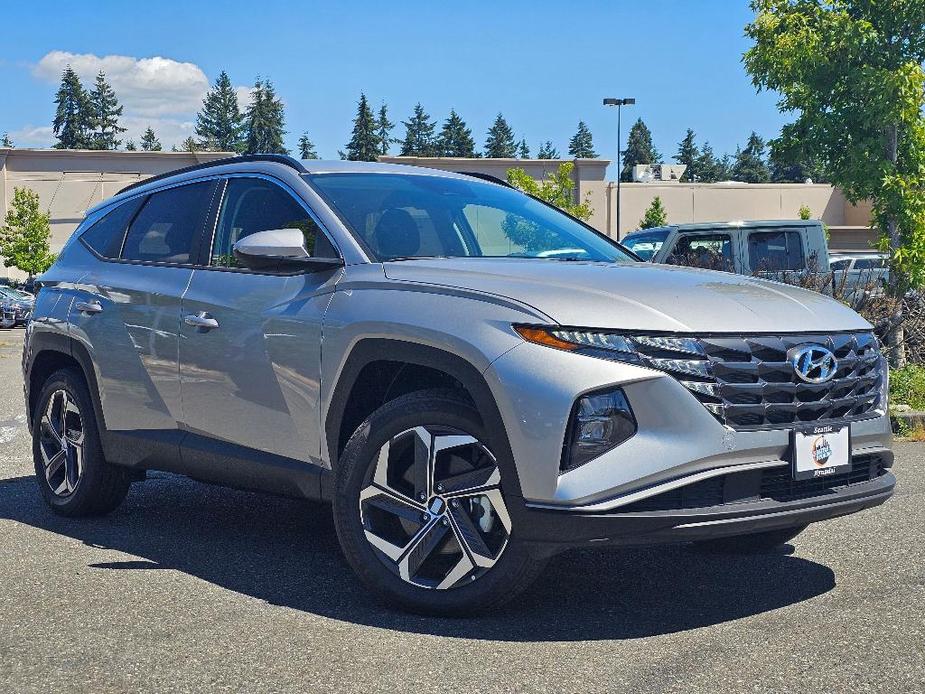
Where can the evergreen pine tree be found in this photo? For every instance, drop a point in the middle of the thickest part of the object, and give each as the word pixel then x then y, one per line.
pixel 106 110
pixel 149 141
pixel 73 123
pixel 220 123
pixel 6 141
pixel 265 121
pixel 500 143
pixel 749 165
pixel 130 146
pixel 639 150
pixel 689 155
pixel 188 145
pixel 709 168
pixel 547 151
pixel 306 148
pixel 384 130
pixel 419 135
pixel 364 144
pixel 655 215
pixel 523 149
pixel 455 139
pixel 581 145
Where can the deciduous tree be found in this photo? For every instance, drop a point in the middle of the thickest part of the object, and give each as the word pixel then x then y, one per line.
pixel 25 234
pixel 852 72
pixel 655 216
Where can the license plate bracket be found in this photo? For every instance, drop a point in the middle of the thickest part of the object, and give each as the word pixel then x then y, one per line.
pixel 820 450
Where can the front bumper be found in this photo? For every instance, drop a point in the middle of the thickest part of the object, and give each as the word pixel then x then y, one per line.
pixel 560 529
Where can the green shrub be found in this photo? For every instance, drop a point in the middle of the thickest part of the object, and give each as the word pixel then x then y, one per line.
pixel 907 386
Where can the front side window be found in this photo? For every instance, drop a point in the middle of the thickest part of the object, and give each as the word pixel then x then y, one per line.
pixel 106 235
pixel 168 225
pixel 775 251
pixel 646 244
pixel 254 204
pixel 398 216
pixel 709 251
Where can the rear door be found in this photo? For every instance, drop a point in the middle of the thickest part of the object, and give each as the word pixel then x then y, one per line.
pixel 712 250
pixel 250 375
pixel 127 308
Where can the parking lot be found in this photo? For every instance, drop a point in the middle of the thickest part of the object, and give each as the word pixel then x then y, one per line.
pixel 188 587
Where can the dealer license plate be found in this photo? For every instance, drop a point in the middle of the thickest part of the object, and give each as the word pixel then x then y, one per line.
pixel 820 451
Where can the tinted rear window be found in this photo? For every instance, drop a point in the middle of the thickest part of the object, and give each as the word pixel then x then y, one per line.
pixel 776 251
pixel 106 236
pixel 168 225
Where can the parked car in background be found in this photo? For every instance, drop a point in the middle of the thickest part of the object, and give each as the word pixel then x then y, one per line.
pixel 746 248
pixel 476 380
pixel 864 269
pixel 15 307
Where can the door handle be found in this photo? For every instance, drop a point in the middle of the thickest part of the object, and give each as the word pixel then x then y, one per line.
pixel 88 306
pixel 201 320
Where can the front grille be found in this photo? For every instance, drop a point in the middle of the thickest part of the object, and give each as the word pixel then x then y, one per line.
pixel 775 483
pixel 747 382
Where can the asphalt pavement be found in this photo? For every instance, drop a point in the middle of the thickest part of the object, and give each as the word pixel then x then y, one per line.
pixel 192 588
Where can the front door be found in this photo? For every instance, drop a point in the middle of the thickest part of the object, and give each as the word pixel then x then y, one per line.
pixel 250 343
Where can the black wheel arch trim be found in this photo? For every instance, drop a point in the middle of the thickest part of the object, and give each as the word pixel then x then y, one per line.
pixel 369 350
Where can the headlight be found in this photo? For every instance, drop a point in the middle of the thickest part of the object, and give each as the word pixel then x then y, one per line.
pixel 599 422
pixel 649 350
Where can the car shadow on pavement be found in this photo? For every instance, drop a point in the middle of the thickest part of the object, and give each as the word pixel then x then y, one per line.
pixel 286 553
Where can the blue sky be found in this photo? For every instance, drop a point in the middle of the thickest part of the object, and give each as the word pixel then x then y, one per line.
pixel 545 65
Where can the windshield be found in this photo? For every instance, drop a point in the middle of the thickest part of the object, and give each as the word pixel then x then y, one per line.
pixel 419 216
pixel 646 245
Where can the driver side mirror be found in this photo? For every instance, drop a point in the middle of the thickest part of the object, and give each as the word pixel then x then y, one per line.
pixel 280 250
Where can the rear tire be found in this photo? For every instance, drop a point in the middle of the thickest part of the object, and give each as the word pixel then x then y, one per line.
pixel 755 543
pixel 420 510
pixel 73 477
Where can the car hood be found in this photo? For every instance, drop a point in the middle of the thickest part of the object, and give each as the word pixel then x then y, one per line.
pixel 637 296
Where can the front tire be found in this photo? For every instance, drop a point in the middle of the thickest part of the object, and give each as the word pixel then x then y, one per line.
pixel 73 477
pixel 420 509
pixel 754 543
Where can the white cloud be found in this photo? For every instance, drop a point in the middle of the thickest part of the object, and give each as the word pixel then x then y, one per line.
pixel 147 87
pixel 33 136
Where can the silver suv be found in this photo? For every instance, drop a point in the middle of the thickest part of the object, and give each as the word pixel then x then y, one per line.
pixel 474 379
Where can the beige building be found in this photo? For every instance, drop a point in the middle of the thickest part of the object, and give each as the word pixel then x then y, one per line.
pixel 71 181
pixel 849 225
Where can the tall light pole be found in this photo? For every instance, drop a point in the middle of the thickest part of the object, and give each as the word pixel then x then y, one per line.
pixel 619 103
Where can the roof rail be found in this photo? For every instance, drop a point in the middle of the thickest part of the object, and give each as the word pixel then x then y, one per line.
pixel 284 159
pixel 486 177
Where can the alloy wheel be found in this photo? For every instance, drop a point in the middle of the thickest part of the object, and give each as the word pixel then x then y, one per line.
pixel 61 442
pixel 432 507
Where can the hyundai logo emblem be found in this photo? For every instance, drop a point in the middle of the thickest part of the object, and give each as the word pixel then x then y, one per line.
pixel 813 363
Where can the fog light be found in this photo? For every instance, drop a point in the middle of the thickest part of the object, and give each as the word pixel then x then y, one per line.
pixel 599 422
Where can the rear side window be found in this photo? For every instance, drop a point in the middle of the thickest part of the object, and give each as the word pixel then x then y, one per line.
pixel 869 264
pixel 710 251
pixel 775 251
pixel 168 225
pixel 106 235
pixel 254 204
